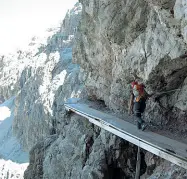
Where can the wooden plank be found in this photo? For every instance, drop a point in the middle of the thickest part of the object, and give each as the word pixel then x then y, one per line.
pixel 164 147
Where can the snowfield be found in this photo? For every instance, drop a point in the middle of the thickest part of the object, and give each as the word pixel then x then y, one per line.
pixel 13 160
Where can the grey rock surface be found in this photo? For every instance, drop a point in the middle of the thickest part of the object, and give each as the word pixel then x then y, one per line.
pixel 115 41
pixel 120 40
pixel 82 150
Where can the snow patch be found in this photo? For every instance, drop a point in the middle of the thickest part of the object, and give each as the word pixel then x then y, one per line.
pixel 12 170
pixel 4 113
pixel 13 160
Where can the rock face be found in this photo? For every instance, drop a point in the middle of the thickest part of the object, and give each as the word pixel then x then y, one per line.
pixel 123 39
pixel 13 159
pixel 116 40
pixel 37 155
pixel 88 155
pixel 46 83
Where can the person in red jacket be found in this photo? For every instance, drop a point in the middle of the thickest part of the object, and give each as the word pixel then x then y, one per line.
pixel 138 102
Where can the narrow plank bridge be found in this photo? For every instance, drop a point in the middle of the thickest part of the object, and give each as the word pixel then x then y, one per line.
pixel 171 150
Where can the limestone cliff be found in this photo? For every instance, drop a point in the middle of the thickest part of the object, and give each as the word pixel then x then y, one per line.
pixel 123 39
pixel 115 40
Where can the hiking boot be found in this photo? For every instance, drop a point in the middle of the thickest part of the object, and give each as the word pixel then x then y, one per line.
pixel 144 126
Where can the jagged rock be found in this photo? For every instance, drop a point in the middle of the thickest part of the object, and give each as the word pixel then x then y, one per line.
pixel 116 41
pixel 70 156
pixel 37 155
pixel 2 100
pixel 120 39
pixel 44 84
pixel 168 171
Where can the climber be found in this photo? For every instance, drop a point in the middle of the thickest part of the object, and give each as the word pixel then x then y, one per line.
pixel 138 102
pixel 139 96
